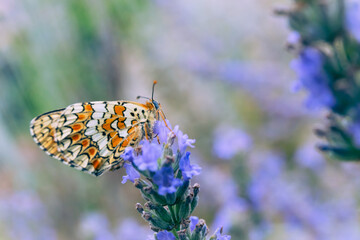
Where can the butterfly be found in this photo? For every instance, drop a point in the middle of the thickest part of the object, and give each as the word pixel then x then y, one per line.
pixel 92 136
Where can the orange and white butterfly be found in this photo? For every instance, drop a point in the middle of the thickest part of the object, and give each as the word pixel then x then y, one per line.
pixel 91 136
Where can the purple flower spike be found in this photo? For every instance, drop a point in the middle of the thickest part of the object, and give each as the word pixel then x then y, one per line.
pixel 128 154
pixel 165 235
pixel 132 174
pixel 188 170
pixel 164 178
pixel 184 141
pixel 193 221
pixel 162 131
pixel 148 160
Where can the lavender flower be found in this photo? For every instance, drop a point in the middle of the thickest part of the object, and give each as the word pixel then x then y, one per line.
pixel 128 154
pixel 148 160
pixel 193 221
pixel 165 235
pixel 132 174
pixel 353 19
pixel 309 67
pixel 166 181
pixel 188 170
pixel 166 188
pixel 162 131
pixel 183 140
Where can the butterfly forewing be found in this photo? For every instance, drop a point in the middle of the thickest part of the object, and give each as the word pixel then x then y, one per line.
pixel 92 136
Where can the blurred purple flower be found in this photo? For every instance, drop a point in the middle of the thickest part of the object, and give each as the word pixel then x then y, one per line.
pixel 150 153
pixel 232 71
pixel 162 131
pixel 353 19
pixel 230 141
pixel 23 216
pixel 229 212
pixel 219 236
pixel 293 38
pixel 129 229
pixel 265 174
pixel 193 221
pixel 260 231
pixel 128 154
pixel 188 170
pixel 95 225
pixel 355 130
pixel 311 75
pixel 166 181
pixel 165 235
pixel 132 174
pixel 307 156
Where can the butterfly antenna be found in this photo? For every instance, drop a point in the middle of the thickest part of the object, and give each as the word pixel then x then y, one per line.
pixel 142 97
pixel 153 88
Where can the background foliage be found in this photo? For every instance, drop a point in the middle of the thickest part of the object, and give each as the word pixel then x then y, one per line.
pixel 223 76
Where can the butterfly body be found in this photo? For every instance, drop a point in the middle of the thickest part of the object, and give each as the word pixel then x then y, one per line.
pixel 92 136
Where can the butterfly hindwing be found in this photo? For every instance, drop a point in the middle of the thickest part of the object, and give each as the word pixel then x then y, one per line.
pixel 42 130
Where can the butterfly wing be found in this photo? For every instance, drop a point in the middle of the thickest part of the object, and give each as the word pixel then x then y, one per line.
pixel 92 136
pixel 42 129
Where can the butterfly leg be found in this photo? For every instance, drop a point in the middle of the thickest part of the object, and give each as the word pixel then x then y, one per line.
pixel 146 132
pixel 164 119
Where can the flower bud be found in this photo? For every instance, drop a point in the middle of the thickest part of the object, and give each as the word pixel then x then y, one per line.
pixel 180 193
pixel 139 208
pixel 185 207
pixel 182 235
pixel 185 223
pixel 155 229
pixel 170 198
pixel 341 153
pixel 169 160
pixel 320 133
pixel 156 221
pixel 138 183
pixel 200 230
pixel 196 189
pixel 160 211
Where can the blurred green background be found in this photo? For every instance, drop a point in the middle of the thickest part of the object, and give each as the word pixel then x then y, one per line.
pixel 221 67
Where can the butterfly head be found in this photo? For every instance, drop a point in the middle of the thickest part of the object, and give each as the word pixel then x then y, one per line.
pixel 152 103
pixel 156 104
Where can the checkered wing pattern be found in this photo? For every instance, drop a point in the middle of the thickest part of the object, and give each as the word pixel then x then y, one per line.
pixel 42 130
pixel 91 136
